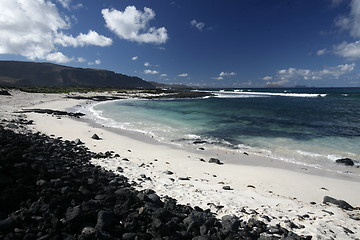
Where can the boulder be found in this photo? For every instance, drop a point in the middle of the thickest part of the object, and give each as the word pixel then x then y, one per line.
pixel 104 219
pixel 215 160
pixel 78 141
pixel 230 222
pixel 340 203
pixel 95 136
pixel 346 161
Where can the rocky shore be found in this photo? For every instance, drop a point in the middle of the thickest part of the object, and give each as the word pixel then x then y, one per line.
pixel 55 186
pixel 50 190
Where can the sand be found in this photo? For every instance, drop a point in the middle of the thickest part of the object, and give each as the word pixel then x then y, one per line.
pixel 270 190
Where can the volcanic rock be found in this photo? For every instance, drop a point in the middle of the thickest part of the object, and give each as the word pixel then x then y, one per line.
pixel 340 203
pixel 346 161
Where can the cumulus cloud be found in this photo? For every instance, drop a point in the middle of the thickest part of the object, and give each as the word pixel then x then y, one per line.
pixel 350 23
pixel 147 64
pixel 91 38
pixel 198 25
pixel 81 60
pixel 222 75
pixel 96 62
pixel 135 58
pixel 57 57
pixel 65 3
pixel 321 52
pixel 151 72
pixel 183 75
pixel 133 25
pixel 227 74
pixel 34 29
pixel 306 74
pixel 348 50
pixel 267 78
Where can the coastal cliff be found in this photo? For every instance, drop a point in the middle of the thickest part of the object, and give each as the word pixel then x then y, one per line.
pixel 15 73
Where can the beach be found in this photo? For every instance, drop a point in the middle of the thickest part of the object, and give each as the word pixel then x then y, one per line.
pixel 242 184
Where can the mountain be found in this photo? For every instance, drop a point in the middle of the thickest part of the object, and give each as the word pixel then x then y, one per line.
pixel 15 73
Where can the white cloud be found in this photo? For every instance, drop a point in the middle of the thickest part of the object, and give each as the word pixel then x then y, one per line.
pixel 81 60
pixel 267 78
pixel 198 25
pixel 222 75
pixel 163 75
pixel 335 3
pixel 227 74
pixel 151 72
pixel 147 64
pixel 133 25
pixel 352 21
pixel 135 58
pixel 183 75
pixel 57 57
pixel 34 29
pixel 306 74
pixel 91 38
pixel 348 50
pixel 96 62
pixel 321 52
pixel 65 3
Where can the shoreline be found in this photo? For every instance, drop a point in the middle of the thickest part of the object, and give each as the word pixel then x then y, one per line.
pixel 228 155
pixel 281 193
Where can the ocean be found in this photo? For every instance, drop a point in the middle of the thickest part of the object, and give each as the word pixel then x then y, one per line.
pixel 310 126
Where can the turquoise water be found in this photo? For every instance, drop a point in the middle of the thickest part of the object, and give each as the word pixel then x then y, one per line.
pixel 305 126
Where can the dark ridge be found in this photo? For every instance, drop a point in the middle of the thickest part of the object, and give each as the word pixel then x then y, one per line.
pixel 15 73
pixel 50 190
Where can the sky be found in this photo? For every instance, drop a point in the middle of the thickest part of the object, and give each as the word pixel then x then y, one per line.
pixel 204 43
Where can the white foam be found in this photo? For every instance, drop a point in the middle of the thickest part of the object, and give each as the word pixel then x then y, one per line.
pixel 240 94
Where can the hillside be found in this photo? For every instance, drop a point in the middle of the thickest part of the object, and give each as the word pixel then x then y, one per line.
pixel 14 73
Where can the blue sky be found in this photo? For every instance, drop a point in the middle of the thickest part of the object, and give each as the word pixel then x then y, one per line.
pixel 207 43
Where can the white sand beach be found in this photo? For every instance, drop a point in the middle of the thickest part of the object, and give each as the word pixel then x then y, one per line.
pixel 270 190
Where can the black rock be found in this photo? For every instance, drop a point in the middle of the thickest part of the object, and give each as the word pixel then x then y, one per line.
pixel 227 188
pixel 154 198
pixel 128 236
pixel 73 214
pixel 215 160
pixel 230 222
pixel 51 191
pixel 184 178
pixel 346 161
pixel 6 224
pixel 78 141
pixel 95 136
pixel 202 237
pixel 168 172
pixel 104 219
pixel 5 93
pixel 340 203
